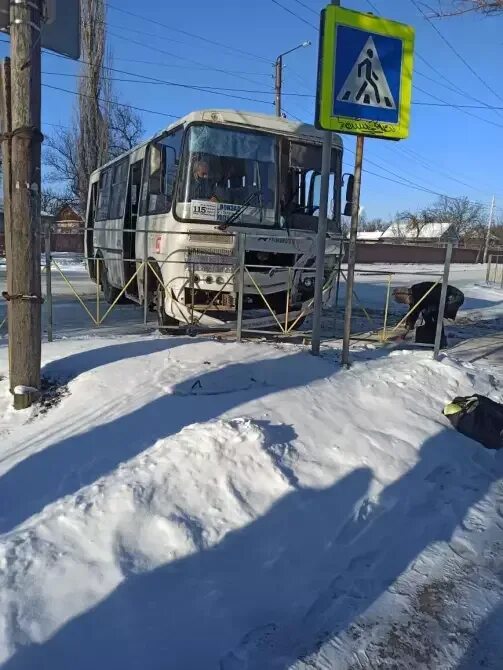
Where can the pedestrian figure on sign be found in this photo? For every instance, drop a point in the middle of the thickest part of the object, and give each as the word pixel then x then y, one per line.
pixel 370 78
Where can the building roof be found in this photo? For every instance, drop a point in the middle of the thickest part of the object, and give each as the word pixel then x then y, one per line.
pixel 430 231
pixel 43 214
pixel 366 235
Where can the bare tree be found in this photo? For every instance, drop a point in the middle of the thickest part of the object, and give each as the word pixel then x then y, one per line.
pixel 103 127
pixel 374 225
pixel 456 7
pixel 52 201
pixel 465 215
pixel 125 128
pixel 93 130
pixel 410 224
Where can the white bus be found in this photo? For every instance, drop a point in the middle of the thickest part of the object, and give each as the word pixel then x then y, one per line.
pixel 180 201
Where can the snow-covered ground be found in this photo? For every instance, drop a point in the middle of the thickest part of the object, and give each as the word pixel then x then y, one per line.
pixel 187 504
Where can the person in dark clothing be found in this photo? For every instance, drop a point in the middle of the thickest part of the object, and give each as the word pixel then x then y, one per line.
pixel 424 300
pixel 200 186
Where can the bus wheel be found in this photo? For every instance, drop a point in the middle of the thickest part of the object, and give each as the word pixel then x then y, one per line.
pixel 163 319
pixel 110 292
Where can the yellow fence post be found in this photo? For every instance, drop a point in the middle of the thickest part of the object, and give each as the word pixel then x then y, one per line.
pixel 70 285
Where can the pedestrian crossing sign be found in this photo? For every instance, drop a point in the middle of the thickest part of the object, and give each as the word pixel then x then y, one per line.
pixel 364 74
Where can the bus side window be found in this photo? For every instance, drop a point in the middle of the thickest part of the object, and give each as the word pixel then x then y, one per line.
pixel 104 195
pixel 119 186
pixel 161 172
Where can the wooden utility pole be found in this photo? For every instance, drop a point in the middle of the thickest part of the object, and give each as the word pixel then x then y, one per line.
pixel 24 294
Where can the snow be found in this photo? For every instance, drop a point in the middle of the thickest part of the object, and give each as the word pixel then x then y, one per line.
pixel 434 230
pixel 367 235
pixel 67 261
pixel 208 504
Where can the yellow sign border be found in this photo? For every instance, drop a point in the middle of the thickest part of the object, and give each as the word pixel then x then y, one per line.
pixel 333 17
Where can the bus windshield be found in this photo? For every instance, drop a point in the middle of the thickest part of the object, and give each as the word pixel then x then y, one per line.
pixel 228 172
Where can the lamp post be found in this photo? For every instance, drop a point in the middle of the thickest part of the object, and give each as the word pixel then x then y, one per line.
pixel 278 69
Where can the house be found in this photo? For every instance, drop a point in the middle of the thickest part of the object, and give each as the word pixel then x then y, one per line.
pixel 402 231
pixel 67 220
pixel 46 217
pixel 369 236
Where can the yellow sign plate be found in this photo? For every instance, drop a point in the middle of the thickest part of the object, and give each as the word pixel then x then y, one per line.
pixel 364 74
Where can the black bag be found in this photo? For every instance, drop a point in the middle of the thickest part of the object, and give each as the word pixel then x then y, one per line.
pixel 477 417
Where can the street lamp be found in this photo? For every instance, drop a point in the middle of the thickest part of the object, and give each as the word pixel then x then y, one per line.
pixel 278 79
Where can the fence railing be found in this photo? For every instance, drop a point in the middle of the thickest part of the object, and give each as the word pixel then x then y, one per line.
pixel 250 298
pixel 494 273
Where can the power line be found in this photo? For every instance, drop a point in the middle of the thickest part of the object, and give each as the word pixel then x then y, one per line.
pixel 461 108
pixel 401 177
pixel 309 9
pixel 450 84
pixel 290 11
pixel 112 102
pixel 189 67
pixel 183 58
pixel 426 165
pixel 455 51
pixel 372 6
pixel 151 80
pixel 221 45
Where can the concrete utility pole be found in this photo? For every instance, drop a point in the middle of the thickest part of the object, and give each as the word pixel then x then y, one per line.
pixel 489 226
pixel 24 293
pixel 353 236
pixel 278 74
pixel 321 237
pixel 278 83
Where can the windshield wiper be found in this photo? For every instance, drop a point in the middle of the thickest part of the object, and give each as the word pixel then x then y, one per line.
pixel 235 215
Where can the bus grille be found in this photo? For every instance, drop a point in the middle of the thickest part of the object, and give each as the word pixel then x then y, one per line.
pixel 211 238
pixel 214 260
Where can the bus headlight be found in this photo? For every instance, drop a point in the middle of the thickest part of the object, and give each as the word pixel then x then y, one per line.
pixel 220 281
pixel 209 280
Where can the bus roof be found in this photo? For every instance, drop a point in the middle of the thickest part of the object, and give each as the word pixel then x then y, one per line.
pixel 267 122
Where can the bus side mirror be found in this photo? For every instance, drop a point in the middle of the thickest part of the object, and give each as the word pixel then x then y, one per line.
pixel 348 208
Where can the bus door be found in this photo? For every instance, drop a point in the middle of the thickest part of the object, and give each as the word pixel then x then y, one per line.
pixel 89 241
pixel 130 221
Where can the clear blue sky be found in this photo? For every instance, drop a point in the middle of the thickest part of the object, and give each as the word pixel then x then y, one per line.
pixel 443 142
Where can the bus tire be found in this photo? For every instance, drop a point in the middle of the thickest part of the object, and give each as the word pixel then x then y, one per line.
pixel 110 293
pixel 163 319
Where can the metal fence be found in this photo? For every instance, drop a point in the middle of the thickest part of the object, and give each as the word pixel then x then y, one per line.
pixel 74 303
pixel 494 273
pixel 242 289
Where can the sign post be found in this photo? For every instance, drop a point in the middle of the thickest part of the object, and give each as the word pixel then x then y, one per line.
pixel 364 89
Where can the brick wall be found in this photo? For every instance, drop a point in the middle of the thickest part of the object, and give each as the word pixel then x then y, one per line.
pixel 408 253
